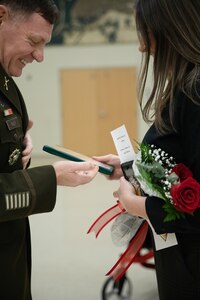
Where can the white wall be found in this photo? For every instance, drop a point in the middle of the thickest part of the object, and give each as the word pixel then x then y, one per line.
pixel 56 236
pixel 40 84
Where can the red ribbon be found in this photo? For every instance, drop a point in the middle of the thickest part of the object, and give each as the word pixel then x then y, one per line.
pixel 127 258
pixel 105 218
pixel 130 254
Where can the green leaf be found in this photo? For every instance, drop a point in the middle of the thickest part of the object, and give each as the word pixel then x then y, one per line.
pixel 172 213
pixel 173 178
pixel 145 153
pixel 155 169
pixel 148 176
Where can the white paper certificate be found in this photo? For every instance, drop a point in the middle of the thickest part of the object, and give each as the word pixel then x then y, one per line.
pixel 123 144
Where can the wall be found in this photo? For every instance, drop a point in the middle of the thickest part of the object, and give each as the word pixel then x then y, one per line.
pixel 40 84
pixel 56 237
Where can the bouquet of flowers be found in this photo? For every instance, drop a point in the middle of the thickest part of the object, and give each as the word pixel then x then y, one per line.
pixel 160 176
pixel 155 173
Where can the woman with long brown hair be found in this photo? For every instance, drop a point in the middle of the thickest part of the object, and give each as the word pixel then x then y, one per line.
pixel 169 31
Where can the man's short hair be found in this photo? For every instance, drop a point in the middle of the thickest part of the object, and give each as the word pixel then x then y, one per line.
pixel 46 8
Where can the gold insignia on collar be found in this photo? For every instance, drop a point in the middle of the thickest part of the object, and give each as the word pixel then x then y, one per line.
pixel 6 83
pixel 14 157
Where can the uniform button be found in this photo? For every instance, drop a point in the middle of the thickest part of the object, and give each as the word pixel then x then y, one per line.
pixel 15 136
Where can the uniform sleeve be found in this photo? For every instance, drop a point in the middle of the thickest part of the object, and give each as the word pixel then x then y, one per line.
pixel 27 192
pixel 188 127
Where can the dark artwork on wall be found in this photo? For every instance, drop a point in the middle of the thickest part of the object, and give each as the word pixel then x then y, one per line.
pixel 86 22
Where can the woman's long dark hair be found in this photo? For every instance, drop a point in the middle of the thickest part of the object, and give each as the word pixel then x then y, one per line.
pixel 175 26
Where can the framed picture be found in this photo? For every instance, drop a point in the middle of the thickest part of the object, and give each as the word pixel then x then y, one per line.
pixel 85 22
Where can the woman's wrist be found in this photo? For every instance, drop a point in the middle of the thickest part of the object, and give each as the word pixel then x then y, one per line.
pixel 136 206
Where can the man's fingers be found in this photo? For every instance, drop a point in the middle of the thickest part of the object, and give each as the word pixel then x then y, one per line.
pixel 84 166
pixel 115 194
pixel 30 125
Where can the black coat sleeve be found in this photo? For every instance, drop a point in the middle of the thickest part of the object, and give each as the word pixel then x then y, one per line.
pixel 185 145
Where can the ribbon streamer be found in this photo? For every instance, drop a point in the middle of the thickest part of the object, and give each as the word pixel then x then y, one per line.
pixel 127 258
pixel 105 218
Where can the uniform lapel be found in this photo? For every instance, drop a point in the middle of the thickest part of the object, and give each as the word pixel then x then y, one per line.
pixel 8 88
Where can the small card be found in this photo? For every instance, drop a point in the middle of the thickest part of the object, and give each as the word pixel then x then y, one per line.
pixel 163 243
pixel 123 144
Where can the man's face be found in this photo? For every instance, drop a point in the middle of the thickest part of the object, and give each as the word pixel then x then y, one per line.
pixel 22 41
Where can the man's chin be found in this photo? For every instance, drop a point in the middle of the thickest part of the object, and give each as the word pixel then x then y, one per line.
pixel 15 73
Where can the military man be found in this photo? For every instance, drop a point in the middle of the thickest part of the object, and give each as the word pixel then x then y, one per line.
pixel 25 28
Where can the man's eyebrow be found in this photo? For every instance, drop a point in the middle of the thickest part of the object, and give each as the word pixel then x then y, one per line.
pixel 39 38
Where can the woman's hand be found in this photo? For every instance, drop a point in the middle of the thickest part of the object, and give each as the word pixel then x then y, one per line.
pixel 114 161
pixel 27 142
pixel 133 204
pixel 69 173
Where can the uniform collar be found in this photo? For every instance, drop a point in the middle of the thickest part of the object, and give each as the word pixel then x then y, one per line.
pixel 8 88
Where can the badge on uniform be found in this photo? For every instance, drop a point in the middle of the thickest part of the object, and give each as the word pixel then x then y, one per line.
pixel 8 112
pixel 6 83
pixel 14 157
pixel 13 123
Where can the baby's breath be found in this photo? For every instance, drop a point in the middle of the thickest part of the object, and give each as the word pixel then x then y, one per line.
pixel 153 169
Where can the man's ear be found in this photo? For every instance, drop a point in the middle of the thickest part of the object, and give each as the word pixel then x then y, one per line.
pixel 3 13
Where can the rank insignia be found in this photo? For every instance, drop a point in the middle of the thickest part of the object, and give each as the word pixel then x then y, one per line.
pixel 6 83
pixel 17 200
pixel 14 157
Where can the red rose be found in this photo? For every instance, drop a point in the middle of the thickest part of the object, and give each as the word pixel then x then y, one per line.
pixel 186 195
pixel 182 171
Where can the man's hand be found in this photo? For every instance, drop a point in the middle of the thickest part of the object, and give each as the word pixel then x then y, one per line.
pixel 26 154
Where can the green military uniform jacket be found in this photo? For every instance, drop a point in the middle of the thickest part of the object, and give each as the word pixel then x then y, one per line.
pixel 22 193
